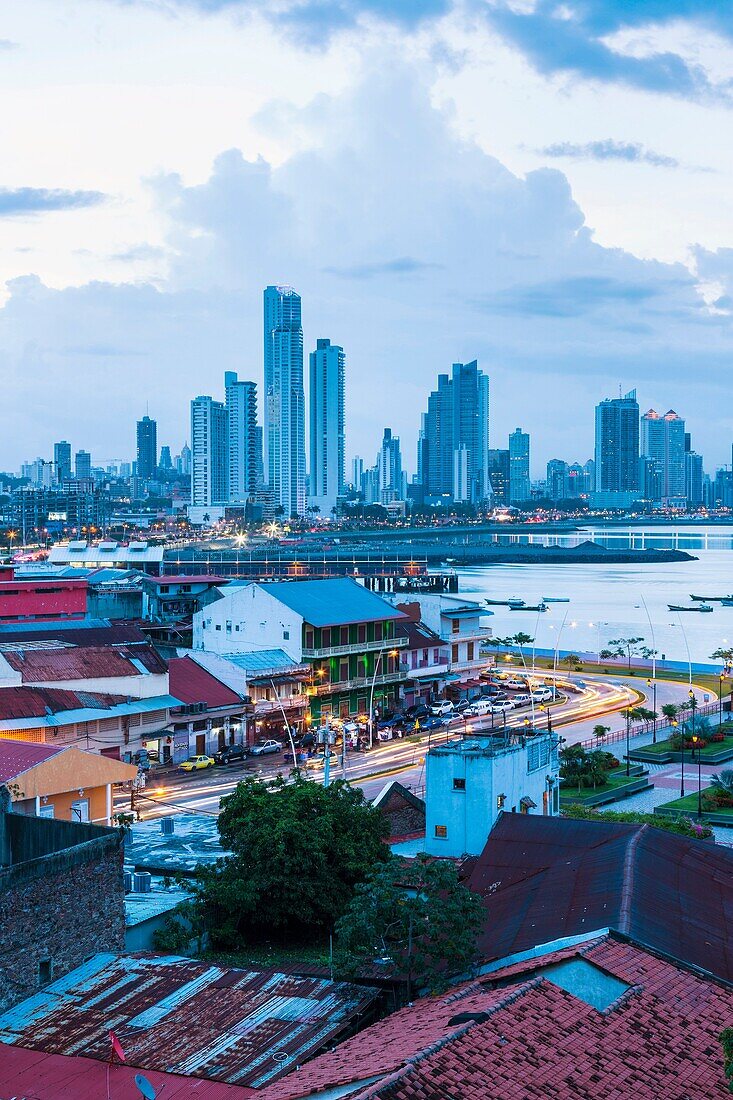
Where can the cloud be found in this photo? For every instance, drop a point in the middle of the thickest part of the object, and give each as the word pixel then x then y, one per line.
pixel 610 150
pixel 413 249
pixel 404 265
pixel 138 252
pixel 559 38
pixel 17 201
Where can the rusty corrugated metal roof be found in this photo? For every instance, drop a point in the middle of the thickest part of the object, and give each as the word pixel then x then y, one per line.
pixel 85 662
pixel 245 1027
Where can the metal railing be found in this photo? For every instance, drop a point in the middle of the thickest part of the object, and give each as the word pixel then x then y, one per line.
pixel 329 688
pixel 354 647
pixel 661 726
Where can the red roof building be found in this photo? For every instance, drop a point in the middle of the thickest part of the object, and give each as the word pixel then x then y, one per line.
pixel 607 1020
pixel 41 599
pixel 191 683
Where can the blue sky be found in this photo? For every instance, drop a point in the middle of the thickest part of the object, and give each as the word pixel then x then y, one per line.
pixel 543 186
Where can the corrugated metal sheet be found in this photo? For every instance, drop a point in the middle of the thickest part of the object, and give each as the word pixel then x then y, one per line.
pixel 85 662
pixel 193 684
pixel 181 1016
pixel 334 602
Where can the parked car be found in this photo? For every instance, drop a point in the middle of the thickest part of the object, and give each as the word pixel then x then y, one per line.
pixel 395 724
pixel 266 747
pixel 543 695
pixel 516 683
pixel 229 754
pixel 433 722
pixel 501 706
pixel 522 699
pixel 196 763
pixel 442 707
pixel 478 709
pixel 417 710
pixel 461 705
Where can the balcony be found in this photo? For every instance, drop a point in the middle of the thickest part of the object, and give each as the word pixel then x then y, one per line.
pixel 428 670
pixel 360 682
pixel 354 647
pixel 287 702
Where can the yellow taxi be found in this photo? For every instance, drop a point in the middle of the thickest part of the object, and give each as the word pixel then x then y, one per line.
pixel 197 763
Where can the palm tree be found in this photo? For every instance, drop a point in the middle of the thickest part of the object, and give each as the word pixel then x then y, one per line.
pixel 670 711
pixel 600 731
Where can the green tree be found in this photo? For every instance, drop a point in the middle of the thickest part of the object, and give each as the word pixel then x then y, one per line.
pixel 628 648
pixel 570 660
pixel 670 711
pixel 724 655
pixel 297 852
pixel 600 731
pixel 415 916
pixel 683 826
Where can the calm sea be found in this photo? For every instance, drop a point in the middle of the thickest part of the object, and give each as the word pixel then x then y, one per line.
pixel 607 602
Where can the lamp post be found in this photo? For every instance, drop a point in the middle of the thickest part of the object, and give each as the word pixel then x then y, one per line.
pixel 628 743
pixel 653 685
pixel 696 745
pixel 723 676
pixel 682 772
pixel 392 653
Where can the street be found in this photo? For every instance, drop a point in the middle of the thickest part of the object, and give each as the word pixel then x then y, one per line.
pixel 170 791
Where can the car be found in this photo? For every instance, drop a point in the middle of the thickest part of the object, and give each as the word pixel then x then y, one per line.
pixel 515 683
pixel 543 695
pixel 197 763
pixel 229 754
pixel 443 708
pixel 319 758
pixel 266 747
pixel 501 707
pixel 433 722
pixel 461 705
pixel 522 699
pixel 417 710
pixel 478 709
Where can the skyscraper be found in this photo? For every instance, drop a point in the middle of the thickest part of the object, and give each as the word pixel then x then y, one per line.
pixel 166 462
pixel 519 485
pixel 62 460
pixel 284 399
pixel 557 479
pixel 241 406
pixel 83 465
pixel 617 444
pixel 663 444
pixel 185 460
pixel 147 448
pixel 453 449
pixel 389 469
pixel 694 479
pixel 327 429
pixel 499 475
pixel 209 453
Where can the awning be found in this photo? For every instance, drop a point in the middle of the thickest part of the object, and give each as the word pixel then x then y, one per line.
pixel 527 803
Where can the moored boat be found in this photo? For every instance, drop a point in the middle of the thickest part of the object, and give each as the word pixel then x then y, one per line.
pixel 702 607
pixel 556 599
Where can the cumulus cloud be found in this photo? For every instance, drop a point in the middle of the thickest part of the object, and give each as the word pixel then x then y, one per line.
pixel 17 201
pixel 610 150
pixel 413 249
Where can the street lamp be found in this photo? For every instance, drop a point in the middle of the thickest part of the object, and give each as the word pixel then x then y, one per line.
pixel 723 676
pixel 392 653
pixel 653 685
pixel 673 723
pixel 696 745
pixel 627 714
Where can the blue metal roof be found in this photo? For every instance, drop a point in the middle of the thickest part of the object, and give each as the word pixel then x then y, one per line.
pixel 336 602
pixel 260 660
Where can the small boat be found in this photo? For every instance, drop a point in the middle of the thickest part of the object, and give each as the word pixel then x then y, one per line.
pixel 711 599
pixel 727 602
pixel 530 607
pixel 703 607
pixel 514 601
pixel 556 599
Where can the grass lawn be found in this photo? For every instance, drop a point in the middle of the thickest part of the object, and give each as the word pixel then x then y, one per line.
pixel 688 805
pixel 613 781
pixel 619 668
pixel 711 749
pixel 273 954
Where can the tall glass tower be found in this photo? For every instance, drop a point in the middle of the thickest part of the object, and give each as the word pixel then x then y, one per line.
pixel 284 414
pixel 326 472
pixel 241 406
pixel 617 444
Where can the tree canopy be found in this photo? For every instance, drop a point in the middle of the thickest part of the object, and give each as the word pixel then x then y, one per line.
pixel 297 851
pixel 416 917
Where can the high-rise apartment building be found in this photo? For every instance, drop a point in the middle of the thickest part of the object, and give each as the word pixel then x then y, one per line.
pixel 185 460
pixel 357 470
pixel 557 479
pixel 241 406
pixel 327 428
pixel 617 445
pixel 147 448
pixel 499 475
pixel 83 465
pixel 390 479
pixel 284 434
pixel 62 460
pixel 519 484
pixel 166 462
pixel 453 450
pixel 694 479
pixel 663 445
pixel 209 453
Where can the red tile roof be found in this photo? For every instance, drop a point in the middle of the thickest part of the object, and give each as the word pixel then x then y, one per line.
pixel 84 663
pixel 31 1073
pixel 531 1040
pixel 17 757
pixel 193 684
pixel 543 878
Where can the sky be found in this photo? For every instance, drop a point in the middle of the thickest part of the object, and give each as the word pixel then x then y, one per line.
pixel 546 187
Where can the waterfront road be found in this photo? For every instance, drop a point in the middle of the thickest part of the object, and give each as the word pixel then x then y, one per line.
pixel 601 700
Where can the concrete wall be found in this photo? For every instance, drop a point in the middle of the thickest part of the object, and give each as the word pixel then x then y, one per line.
pixel 61 901
pixel 248 618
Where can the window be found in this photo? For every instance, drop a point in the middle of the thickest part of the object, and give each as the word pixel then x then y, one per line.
pixel 309 639
pixel 469 651
pixel 453 652
pixel 500 800
pixel 538 755
pixel 325 638
pixel 80 810
pixel 229 626
pixel 455 626
pixel 45 971
pixel 377 632
pixel 425 655
pixel 362 632
pixel 441 831
pixel 344 635
pixel 45 811
pixel 218 626
pixel 361 704
pixel 459 784
pixel 286 635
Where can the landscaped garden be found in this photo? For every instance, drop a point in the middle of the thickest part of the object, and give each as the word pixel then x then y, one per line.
pixel 716 801
pixel 591 778
pixel 713 742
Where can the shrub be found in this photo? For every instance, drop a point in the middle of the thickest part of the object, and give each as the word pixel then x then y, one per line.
pixel 683 826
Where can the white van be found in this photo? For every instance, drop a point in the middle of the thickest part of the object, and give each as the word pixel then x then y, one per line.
pixel 478 709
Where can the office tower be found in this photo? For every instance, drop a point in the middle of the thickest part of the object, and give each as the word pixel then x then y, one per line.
pixel 185 460
pixel 663 444
pixel 558 473
pixel 694 479
pixel 436 461
pixel 166 462
pixel 519 487
pixel 83 465
pixel 357 469
pixel 284 433
pixel 327 429
pixel 241 406
pixel 147 448
pixel 617 444
pixel 209 452
pixel 259 457
pixel 62 460
pixel 470 406
pixel 499 475
pixel 390 480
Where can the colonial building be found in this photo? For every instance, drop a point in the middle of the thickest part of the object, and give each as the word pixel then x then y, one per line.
pixel 457 622
pixel 345 634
